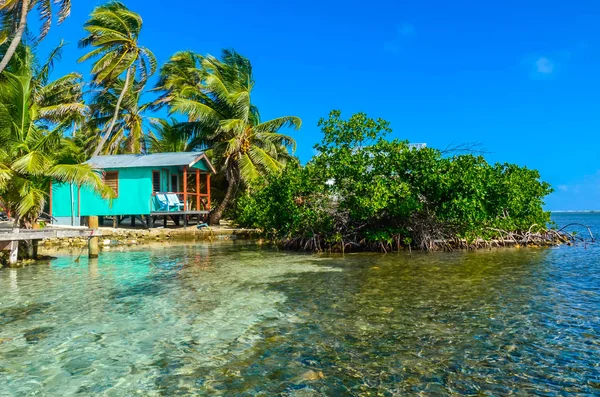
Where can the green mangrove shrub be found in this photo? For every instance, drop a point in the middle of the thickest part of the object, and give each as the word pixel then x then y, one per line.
pixel 364 191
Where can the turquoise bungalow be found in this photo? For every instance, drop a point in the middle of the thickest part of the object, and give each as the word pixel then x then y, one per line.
pixel 147 186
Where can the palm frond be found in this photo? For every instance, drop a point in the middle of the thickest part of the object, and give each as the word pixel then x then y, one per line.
pixel 81 175
pixel 33 163
pixel 31 201
pixel 195 110
pixel 247 170
pixel 276 124
pixel 5 176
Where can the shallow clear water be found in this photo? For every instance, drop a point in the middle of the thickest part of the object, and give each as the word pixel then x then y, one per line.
pixel 232 319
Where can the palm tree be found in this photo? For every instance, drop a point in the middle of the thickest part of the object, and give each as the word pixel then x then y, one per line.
pixel 128 134
pixel 35 113
pixel 13 19
pixel 171 136
pixel 223 120
pixel 113 31
pixel 179 76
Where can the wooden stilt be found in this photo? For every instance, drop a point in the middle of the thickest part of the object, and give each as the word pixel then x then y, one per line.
pixel 14 253
pixel 29 249
pixel 132 220
pixel 34 249
pixel 115 222
pixel 93 248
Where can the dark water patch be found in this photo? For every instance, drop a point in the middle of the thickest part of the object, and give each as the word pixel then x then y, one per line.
pixel 93 390
pixel 137 290
pixel 79 365
pixel 37 334
pixel 20 313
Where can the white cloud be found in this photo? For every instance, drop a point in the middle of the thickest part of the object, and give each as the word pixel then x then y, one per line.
pixel 562 188
pixel 544 65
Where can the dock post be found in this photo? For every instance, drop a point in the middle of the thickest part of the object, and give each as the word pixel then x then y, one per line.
pixel 13 256
pixel 32 249
pixel 93 248
pixel 14 253
pixel 35 248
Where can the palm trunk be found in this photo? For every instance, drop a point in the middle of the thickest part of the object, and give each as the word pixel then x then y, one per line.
pixel 116 115
pixel 217 214
pixel 18 35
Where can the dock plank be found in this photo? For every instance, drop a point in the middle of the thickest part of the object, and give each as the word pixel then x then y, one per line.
pixel 20 235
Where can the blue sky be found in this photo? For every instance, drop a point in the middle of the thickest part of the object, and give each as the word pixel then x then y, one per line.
pixel 521 78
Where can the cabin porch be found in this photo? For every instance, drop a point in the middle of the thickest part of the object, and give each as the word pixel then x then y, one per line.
pixel 174 187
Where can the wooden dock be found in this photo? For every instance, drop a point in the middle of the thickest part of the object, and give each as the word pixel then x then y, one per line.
pixel 10 237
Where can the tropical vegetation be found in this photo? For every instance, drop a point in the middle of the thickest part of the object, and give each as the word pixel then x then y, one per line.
pixel 35 113
pixel 13 21
pixel 361 191
pixel 223 120
pixel 208 100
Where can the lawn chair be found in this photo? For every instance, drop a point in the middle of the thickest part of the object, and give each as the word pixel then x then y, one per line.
pixel 162 202
pixel 174 202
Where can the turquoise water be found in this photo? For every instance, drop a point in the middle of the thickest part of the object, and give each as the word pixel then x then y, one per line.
pixel 234 319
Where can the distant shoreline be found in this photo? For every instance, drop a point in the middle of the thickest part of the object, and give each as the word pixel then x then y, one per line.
pixel 576 212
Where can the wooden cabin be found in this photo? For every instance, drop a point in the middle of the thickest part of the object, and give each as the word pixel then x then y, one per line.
pixel 142 183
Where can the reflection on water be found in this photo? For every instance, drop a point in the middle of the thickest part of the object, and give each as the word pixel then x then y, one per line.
pixel 237 320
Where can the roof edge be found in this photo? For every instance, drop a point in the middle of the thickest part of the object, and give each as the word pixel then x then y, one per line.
pixel 203 156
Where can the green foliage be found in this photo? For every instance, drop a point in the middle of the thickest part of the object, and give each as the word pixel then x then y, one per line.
pixel 112 32
pixel 371 192
pixel 35 113
pixel 284 204
pixel 214 95
pixel 10 12
pixel 132 122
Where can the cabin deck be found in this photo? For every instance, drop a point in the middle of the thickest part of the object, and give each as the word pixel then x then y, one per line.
pixel 189 212
pixel 177 218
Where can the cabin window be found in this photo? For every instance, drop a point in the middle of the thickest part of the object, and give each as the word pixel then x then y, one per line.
pixel 174 180
pixel 156 181
pixel 111 179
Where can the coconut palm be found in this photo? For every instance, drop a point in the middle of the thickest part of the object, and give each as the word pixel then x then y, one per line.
pixel 34 115
pixel 13 19
pixel 180 76
pixel 171 136
pixel 113 32
pixel 223 120
pixel 128 134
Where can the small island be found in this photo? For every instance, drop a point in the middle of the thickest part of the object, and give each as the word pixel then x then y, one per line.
pixel 176 223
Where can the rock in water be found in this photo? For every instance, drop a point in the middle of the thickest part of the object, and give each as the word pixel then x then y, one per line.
pixel 313 375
